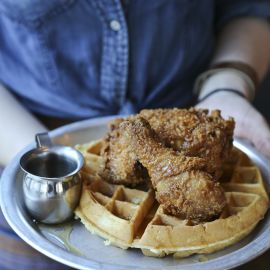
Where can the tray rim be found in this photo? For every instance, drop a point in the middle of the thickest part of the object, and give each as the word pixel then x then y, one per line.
pixel 248 252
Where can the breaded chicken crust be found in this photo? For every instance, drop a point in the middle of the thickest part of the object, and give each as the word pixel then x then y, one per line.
pixel 182 187
pixel 194 133
pixel 120 163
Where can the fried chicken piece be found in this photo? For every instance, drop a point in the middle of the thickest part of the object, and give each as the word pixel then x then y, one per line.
pixel 120 162
pixel 181 186
pixel 195 133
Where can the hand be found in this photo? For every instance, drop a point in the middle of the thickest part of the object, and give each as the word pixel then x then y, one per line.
pixel 250 124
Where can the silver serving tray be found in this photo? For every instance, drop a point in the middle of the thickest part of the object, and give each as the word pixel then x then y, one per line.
pixel 73 245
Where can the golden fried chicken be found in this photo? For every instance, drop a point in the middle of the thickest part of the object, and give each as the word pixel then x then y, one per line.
pixel 120 162
pixel 195 133
pixel 192 132
pixel 182 187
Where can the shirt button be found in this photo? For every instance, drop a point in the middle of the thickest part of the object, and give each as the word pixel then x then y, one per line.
pixel 115 25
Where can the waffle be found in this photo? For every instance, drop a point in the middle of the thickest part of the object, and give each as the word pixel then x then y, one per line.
pixel 132 218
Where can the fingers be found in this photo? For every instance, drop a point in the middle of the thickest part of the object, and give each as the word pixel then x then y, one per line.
pixel 250 124
pixel 263 145
pixel 255 128
pixel 261 138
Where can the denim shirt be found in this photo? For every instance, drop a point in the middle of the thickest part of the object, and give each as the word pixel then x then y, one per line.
pixel 85 58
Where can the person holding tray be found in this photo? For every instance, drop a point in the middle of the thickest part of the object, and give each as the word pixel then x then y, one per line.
pixel 64 61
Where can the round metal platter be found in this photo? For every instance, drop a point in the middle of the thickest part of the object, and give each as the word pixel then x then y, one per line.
pixel 73 245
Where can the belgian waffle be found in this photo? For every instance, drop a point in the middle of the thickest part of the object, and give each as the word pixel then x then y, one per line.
pixel 132 218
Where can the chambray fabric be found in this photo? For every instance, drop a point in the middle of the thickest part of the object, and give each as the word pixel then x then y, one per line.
pixel 84 58
pixel 66 58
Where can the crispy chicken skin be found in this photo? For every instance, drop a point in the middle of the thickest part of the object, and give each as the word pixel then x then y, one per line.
pixel 120 163
pixel 182 187
pixel 194 133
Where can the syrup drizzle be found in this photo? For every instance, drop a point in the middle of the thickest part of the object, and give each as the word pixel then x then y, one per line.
pixel 62 234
